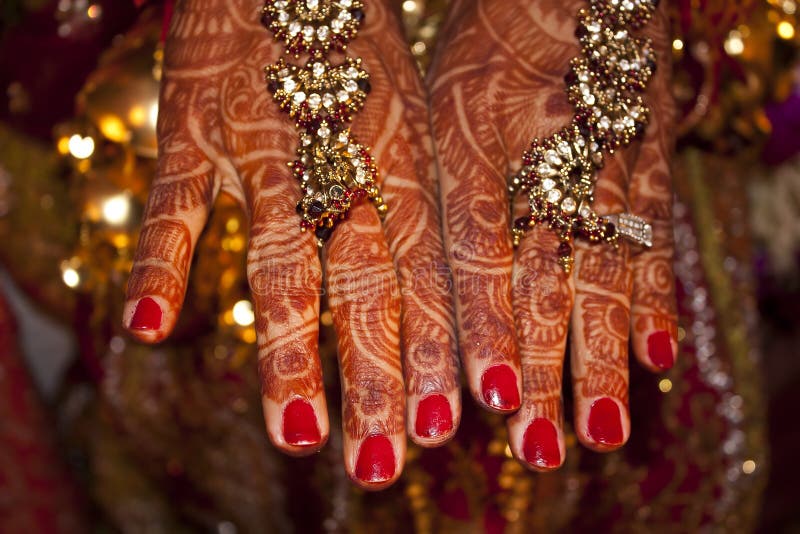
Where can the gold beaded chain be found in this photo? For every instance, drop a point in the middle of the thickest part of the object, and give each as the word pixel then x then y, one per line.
pixel 334 170
pixel 604 84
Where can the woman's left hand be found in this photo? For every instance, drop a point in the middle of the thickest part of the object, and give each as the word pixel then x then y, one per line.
pixel 219 129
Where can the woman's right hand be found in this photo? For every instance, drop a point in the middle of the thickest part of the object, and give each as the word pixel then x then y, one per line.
pixel 497 82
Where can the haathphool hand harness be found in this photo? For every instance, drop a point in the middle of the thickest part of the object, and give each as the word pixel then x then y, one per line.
pixel 605 85
pixel 334 170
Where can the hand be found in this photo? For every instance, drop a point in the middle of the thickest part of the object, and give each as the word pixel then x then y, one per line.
pixel 220 130
pixel 497 83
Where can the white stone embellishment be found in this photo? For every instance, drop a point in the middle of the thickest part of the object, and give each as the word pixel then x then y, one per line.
pixel 545 169
pixel 552 158
pixel 632 227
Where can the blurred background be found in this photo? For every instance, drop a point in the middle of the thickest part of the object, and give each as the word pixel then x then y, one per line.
pixel 100 434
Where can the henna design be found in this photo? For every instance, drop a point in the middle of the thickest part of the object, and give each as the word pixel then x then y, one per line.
pixel 287 369
pixel 284 279
pixel 497 83
pixel 219 130
pixel 542 305
pixel 168 241
pixel 402 145
pixel 542 381
pixel 653 304
pixel 162 261
pixel 656 274
pixel 155 280
pixel 606 323
pixel 599 270
pixel 364 298
pixel 604 381
pixel 544 301
pixel 371 401
pixel 476 222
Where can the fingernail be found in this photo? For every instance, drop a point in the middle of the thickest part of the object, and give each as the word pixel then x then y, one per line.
pixel 540 444
pixel 375 459
pixel 605 425
pixel 659 348
pixel 434 417
pixel 499 386
pixel 300 424
pixel 147 315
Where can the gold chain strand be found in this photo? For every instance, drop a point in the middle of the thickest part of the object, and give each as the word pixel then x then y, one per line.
pixel 604 85
pixel 333 169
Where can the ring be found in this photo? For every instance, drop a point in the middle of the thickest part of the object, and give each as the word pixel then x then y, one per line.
pixel 605 85
pixel 632 227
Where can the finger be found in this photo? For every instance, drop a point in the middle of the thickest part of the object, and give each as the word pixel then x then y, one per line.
pixel 427 332
pixel 543 298
pixel 180 198
pixel 654 321
pixel 654 309
pixel 397 125
pixel 600 325
pixel 365 304
pixel 475 210
pixel 283 267
pixel 285 280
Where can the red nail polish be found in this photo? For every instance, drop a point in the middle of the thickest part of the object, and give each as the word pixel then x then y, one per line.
pixel 375 459
pixel 147 315
pixel 605 425
pixel 434 417
pixel 540 444
pixel 499 386
pixel 300 424
pixel 659 348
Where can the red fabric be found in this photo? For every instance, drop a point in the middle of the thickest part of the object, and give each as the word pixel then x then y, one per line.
pixel 36 493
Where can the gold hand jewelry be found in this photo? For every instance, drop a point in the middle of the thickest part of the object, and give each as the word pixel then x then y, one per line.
pixel 604 85
pixel 334 170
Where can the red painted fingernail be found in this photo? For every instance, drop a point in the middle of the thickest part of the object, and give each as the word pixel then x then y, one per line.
pixel 659 348
pixel 540 444
pixel 434 417
pixel 300 424
pixel 147 315
pixel 375 459
pixel 605 425
pixel 499 386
